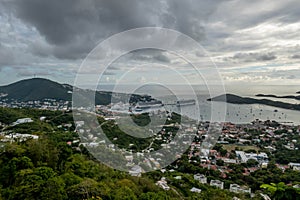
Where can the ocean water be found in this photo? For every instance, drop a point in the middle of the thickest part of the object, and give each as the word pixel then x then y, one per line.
pixel 233 112
pixel 220 111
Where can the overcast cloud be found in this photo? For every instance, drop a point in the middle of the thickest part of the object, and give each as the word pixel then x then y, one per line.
pixel 40 37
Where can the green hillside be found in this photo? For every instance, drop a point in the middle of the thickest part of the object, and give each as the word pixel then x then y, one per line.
pixel 37 89
pixel 50 168
pixel 41 89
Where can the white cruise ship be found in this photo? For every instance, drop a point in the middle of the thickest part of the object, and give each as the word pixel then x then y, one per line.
pixel 186 102
pixel 142 106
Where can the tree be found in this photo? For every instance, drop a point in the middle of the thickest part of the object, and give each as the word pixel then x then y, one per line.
pixel 251 163
pixel 54 189
pixel 39 183
pixel 223 152
pixel 280 191
pixel 220 162
pixel 130 184
pixel 124 193
pixel 84 190
pixel 154 196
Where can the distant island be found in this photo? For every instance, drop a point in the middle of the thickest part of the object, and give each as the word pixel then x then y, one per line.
pixel 279 97
pixel 234 99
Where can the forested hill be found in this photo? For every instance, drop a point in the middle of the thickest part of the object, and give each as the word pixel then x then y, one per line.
pixel 37 89
pixel 40 89
pixel 279 97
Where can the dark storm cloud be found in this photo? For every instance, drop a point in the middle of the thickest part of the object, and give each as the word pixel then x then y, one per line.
pixel 266 57
pixel 162 58
pixel 296 56
pixel 253 57
pixel 6 56
pixel 74 27
pixel 24 72
pixel 188 16
pixel 149 55
pixel 244 14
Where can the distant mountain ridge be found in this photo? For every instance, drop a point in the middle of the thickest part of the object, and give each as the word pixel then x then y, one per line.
pixel 279 97
pixel 40 89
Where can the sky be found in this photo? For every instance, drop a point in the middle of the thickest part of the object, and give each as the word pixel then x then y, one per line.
pixel 250 42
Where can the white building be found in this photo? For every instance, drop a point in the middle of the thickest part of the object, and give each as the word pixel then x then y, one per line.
pixel 265 197
pixel 163 184
pixel 93 144
pixel 79 123
pixel 217 183
pixel 264 165
pixel 22 121
pixel 19 137
pixel 136 171
pixel 244 157
pixel 197 190
pixel 129 158
pixel 295 166
pixel 229 161
pixel 201 178
pixel 238 189
pixel 42 118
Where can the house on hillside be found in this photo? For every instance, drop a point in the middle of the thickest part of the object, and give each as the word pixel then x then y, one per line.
pixel 244 157
pixel 136 171
pixel 295 166
pixel 238 189
pixel 197 190
pixel 163 184
pixel 18 137
pixel 201 178
pixel 217 183
pixel 22 121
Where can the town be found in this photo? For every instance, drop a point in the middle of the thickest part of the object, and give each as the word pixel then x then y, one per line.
pixel 241 149
pixel 47 104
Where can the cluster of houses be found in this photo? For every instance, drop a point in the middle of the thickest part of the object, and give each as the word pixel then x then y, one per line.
pixel 154 161
pixel 46 104
pixel 22 121
pixel 203 180
pixel 18 137
pixel 262 133
pixel 164 185
pixel 8 136
pixel 219 184
pixel 259 157
pixel 236 135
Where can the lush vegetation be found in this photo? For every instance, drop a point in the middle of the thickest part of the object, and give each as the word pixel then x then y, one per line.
pixel 53 168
